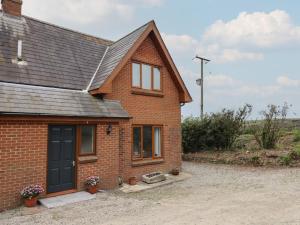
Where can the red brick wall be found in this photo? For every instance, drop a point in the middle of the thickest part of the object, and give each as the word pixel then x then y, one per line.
pixel 13 7
pixel 107 165
pixel 23 154
pixel 149 110
pixel 23 159
pixel 23 145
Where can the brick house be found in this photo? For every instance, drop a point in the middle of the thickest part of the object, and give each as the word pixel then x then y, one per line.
pixel 73 105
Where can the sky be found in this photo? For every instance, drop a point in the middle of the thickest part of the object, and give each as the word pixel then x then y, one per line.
pixel 253 45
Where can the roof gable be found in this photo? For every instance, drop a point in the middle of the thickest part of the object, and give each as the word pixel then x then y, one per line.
pixel 62 58
pixel 103 81
pixel 116 52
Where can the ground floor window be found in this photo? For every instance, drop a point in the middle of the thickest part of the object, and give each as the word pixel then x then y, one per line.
pixel 146 141
pixel 87 143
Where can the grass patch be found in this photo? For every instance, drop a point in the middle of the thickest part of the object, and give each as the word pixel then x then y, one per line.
pixel 285 160
pixel 255 160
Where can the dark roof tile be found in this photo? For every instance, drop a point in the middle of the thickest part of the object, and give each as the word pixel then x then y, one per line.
pixel 34 100
pixel 49 51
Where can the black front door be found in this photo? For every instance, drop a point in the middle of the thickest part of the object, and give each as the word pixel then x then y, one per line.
pixel 61 158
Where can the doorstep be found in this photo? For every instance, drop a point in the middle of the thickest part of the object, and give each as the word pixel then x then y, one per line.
pixel 142 186
pixel 61 200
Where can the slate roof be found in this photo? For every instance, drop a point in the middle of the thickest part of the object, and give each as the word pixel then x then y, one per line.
pixel 55 56
pixel 57 65
pixel 36 100
pixel 114 55
pixel 58 57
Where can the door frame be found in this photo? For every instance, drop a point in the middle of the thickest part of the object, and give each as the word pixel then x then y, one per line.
pixel 75 159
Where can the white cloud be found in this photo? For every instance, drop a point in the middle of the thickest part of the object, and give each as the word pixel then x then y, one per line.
pixel 223 90
pixel 257 29
pixel 287 82
pixel 153 3
pixel 179 43
pixel 244 38
pixel 220 80
pixel 224 55
pixel 223 85
pixel 85 12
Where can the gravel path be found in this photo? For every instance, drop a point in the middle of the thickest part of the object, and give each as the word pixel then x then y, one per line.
pixel 216 194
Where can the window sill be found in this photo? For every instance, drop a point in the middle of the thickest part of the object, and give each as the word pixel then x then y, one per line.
pixel 137 91
pixel 87 159
pixel 146 162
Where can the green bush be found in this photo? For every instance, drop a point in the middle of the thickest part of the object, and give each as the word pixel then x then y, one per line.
pixel 195 134
pixel 214 131
pixel 295 154
pixel 268 131
pixel 296 133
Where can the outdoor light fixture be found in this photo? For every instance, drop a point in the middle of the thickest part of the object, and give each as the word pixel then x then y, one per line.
pixel 109 129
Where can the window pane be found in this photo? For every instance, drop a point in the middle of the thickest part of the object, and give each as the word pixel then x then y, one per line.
pixel 146 79
pixel 157 142
pixel 137 142
pixel 136 75
pixel 156 78
pixel 87 139
pixel 147 142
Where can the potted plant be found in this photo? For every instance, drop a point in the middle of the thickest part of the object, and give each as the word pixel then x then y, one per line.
pixel 92 184
pixel 30 194
pixel 175 171
pixel 132 181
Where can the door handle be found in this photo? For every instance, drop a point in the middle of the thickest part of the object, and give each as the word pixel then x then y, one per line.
pixel 73 163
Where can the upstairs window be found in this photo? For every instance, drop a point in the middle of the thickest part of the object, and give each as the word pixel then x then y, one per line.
pixel 136 77
pixel 146 77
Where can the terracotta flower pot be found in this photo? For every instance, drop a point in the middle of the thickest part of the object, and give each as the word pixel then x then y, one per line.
pixel 132 181
pixel 30 202
pixel 92 189
pixel 175 172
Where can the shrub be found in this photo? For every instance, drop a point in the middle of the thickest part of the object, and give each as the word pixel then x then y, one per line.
pixel 267 132
pixel 296 133
pixel 295 154
pixel 217 130
pixel 196 134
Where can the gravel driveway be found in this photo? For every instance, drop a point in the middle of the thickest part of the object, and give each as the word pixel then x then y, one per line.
pixel 216 194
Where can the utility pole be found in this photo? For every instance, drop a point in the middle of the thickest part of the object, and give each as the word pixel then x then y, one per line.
pixel 200 82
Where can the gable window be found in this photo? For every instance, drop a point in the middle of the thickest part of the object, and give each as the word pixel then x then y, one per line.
pixel 156 78
pixel 146 142
pixel 87 142
pixel 146 76
pixel 136 76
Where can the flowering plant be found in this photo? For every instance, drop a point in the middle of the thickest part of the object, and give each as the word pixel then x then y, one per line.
pixel 92 181
pixel 31 191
